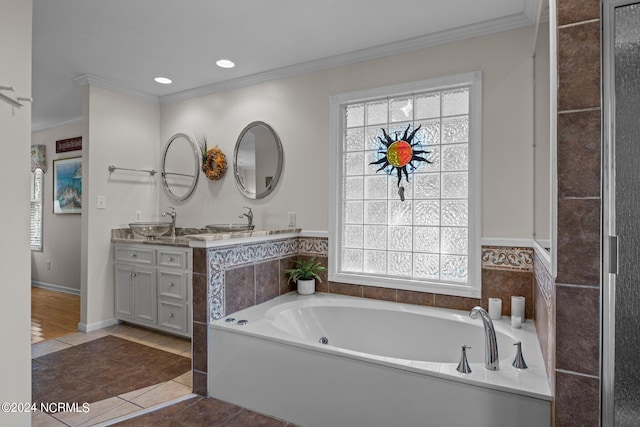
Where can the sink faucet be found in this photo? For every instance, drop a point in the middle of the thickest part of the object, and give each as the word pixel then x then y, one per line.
pixel 491 360
pixel 249 215
pixel 172 213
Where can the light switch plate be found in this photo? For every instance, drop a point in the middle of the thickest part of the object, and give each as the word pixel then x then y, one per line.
pixel 102 202
pixel 292 219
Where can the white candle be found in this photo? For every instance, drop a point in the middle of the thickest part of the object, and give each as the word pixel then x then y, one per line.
pixel 495 308
pixel 516 322
pixel 517 307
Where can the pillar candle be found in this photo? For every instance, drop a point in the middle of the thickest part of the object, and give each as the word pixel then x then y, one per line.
pixel 517 307
pixel 495 308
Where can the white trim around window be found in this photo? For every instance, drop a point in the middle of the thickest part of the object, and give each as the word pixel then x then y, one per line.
pixel 470 286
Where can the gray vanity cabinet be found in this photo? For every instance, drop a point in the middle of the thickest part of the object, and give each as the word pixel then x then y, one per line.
pixel 135 294
pixel 153 286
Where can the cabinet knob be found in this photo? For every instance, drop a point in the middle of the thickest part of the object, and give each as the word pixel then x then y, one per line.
pixel 171 285
pixel 170 259
pixel 170 315
pixel 134 255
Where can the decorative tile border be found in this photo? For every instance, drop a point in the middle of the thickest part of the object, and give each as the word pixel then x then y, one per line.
pixel 544 279
pixel 221 259
pixel 506 258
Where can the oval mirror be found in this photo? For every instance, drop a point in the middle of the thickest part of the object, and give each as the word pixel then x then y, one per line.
pixel 257 160
pixel 180 166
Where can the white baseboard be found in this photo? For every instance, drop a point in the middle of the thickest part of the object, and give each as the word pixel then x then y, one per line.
pixel 53 287
pixel 90 327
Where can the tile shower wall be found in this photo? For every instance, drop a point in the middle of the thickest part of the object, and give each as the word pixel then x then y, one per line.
pixel 576 347
pixel 230 278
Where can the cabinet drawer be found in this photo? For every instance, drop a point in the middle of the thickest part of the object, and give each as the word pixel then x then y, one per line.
pixel 172 285
pixel 169 258
pixel 173 316
pixel 135 255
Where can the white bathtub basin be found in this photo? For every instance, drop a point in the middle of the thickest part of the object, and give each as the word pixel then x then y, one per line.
pixel 383 362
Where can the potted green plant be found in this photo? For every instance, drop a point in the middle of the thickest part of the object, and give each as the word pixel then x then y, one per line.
pixel 304 273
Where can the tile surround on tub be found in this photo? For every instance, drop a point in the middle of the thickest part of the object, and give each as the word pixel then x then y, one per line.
pixel 250 273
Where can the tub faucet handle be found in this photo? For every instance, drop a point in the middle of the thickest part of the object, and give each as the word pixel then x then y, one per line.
pixel 463 366
pixel 519 362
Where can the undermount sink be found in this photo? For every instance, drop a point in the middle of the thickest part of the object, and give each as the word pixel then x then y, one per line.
pixel 228 228
pixel 150 230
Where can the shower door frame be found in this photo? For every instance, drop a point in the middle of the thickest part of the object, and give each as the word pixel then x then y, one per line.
pixel 609 238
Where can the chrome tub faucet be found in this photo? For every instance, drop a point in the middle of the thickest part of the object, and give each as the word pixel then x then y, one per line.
pixel 491 359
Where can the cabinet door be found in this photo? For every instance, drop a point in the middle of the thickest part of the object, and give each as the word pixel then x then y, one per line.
pixel 124 291
pixel 144 295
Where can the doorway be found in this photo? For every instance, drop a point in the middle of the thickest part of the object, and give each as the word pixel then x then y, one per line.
pixel 621 214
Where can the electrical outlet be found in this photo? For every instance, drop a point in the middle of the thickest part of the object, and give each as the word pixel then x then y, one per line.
pixel 48 264
pixel 292 219
pixel 137 216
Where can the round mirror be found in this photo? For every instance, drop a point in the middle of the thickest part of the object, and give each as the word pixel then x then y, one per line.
pixel 180 166
pixel 257 160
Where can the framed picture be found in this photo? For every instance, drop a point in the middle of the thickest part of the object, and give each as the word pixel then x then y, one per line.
pixel 67 186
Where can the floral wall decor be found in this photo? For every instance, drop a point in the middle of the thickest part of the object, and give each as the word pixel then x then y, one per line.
pixel 214 162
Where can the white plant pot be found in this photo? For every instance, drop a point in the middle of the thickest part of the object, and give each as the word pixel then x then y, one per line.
pixel 306 287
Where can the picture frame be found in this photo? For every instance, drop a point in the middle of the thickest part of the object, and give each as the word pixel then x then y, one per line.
pixel 67 186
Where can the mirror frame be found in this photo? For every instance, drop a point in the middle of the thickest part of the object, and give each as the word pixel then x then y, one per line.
pixel 278 172
pixel 196 168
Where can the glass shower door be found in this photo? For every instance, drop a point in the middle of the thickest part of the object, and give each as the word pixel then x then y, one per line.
pixel 621 291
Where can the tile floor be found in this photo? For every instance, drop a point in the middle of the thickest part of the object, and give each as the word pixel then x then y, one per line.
pixel 200 411
pixel 169 403
pixel 100 412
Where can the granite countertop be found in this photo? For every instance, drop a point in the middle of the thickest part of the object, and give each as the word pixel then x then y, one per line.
pixel 186 235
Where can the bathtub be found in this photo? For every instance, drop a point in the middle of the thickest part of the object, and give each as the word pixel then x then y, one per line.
pixel 331 360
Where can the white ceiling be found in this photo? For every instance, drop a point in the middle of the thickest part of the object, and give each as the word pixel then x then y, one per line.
pixel 124 44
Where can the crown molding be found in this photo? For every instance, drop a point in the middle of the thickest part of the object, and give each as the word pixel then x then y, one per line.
pixel 91 80
pixel 48 126
pixel 510 22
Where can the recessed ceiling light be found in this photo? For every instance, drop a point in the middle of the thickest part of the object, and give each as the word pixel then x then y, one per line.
pixel 225 63
pixel 163 80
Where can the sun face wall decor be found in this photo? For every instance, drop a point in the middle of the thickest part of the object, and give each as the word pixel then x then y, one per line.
pixel 399 154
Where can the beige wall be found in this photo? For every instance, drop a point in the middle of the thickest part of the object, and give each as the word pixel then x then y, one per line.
pixel 123 131
pixel 60 233
pixel 15 140
pixel 298 110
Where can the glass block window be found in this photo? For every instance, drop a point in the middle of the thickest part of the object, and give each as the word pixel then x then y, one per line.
pixel 430 240
pixel 37 179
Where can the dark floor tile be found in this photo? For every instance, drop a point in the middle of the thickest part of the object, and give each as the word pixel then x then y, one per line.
pixel 249 418
pixel 208 412
pixel 101 369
